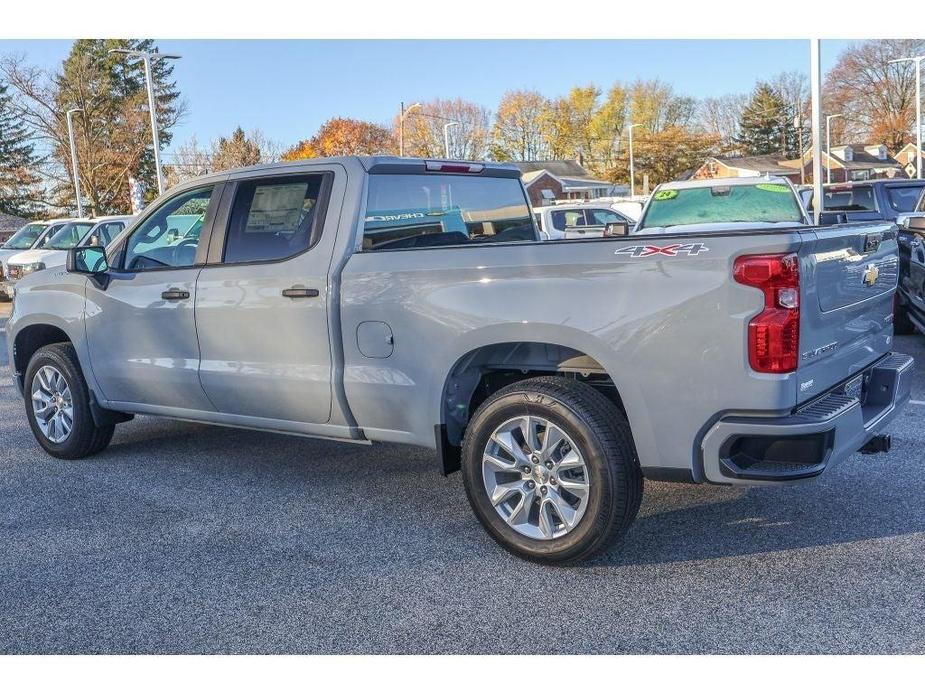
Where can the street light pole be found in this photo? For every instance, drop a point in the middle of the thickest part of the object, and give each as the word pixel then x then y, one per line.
pixel 70 134
pixel 401 125
pixel 147 57
pixel 815 78
pixel 828 146
pixel 918 109
pixel 632 167
pixel 446 137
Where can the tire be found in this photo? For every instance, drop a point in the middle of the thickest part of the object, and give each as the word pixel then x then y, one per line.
pixel 84 437
pixel 594 429
pixel 902 325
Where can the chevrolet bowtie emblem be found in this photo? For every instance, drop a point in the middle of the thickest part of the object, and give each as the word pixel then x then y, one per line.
pixel 871 274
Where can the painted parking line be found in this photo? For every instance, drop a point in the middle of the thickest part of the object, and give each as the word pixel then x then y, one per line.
pixel 917 402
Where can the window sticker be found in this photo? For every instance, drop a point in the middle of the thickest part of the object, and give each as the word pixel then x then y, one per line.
pixel 665 195
pixel 773 187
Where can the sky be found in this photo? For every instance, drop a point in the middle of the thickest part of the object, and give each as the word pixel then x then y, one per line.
pixel 288 88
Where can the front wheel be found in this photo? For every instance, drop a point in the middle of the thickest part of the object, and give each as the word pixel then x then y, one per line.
pixel 550 469
pixel 58 405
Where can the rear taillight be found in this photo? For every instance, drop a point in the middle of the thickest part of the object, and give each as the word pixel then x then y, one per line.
pixel 774 334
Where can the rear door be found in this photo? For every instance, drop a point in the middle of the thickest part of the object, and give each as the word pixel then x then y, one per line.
pixel 848 275
pixel 261 302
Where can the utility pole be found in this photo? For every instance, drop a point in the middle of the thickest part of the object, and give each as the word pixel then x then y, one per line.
pixel 401 125
pixel 70 134
pixel 147 57
pixel 798 123
pixel 918 109
pixel 446 137
pixel 815 76
pixel 632 167
pixel 828 146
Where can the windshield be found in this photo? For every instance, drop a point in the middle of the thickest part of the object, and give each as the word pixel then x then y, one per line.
pixel 416 210
pixel 761 202
pixel 69 235
pixel 25 237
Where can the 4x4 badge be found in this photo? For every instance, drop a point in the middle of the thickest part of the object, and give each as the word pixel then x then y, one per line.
pixel 672 250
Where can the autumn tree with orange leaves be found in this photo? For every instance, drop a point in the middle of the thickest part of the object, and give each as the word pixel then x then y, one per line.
pixel 341 137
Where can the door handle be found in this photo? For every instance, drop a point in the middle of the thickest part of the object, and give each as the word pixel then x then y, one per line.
pixel 300 293
pixel 174 295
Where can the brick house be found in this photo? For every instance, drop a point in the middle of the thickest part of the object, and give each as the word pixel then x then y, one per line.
pixel 549 180
pixel 737 167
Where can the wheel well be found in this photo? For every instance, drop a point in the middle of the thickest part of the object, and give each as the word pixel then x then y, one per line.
pixel 30 340
pixel 485 370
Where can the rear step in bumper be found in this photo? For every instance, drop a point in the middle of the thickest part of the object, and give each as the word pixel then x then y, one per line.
pixel 756 450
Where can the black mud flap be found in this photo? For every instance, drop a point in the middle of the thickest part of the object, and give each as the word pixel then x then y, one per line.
pixel 450 456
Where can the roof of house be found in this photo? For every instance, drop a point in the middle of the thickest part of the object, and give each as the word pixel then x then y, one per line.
pixel 9 222
pixel 861 159
pixel 567 180
pixel 557 167
pixel 765 163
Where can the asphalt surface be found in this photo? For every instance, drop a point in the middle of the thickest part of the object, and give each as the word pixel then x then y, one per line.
pixel 182 538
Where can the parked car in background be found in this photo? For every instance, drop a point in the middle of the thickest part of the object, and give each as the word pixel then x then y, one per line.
pixel 577 221
pixel 32 235
pixel 869 201
pixel 629 207
pixel 393 299
pixel 909 307
pixel 53 251
pixel 722 204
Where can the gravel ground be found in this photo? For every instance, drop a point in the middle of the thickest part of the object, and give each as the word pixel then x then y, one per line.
pixel 182 538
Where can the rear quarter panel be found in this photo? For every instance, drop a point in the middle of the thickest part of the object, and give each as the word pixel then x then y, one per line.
pixel 670 330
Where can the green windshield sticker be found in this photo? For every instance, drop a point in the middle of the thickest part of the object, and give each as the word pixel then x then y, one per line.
pixel 665 195
pixel 773 187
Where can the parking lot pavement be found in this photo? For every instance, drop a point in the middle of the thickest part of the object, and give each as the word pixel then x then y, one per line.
pixel 184 538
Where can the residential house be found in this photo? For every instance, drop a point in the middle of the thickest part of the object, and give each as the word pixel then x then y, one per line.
pixel 550 180
pixel 908 158
pixel 737 167
pixel 854 162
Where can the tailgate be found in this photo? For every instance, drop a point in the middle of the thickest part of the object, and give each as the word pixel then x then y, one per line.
pixel 848 276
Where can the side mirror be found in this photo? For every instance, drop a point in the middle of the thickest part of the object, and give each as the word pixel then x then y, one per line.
pixel 87 260
pixel 616 229
pixel 911 221
pixel 830 218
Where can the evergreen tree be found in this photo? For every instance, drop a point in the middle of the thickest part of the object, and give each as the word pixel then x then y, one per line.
pixel 766 124
pixel 18 178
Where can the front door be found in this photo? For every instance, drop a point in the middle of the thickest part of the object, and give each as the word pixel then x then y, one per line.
pixel 262 302
pixel 140 325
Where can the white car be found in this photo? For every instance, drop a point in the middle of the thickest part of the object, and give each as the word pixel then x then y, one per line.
pixel 579 221
pixel 32 235
pixel 53 253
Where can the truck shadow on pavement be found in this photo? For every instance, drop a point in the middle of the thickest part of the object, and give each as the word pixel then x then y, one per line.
pixel 864 499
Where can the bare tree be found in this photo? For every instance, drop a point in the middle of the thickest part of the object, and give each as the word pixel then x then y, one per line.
pixel 720 116
pixel 468 140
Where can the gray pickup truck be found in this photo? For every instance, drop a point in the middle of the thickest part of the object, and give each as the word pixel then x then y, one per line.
pixel 401 300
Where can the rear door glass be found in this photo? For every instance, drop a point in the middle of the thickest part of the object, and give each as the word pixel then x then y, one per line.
pixel 903 198
pixel 426 210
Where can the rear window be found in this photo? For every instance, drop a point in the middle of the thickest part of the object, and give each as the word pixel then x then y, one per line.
pixel 761 202
pixel 854 199
pixel 426 210
pixel 903 198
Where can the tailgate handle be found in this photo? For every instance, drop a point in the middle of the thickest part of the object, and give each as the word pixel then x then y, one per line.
pixel 872 242
pixel 174 295
pixel 300 293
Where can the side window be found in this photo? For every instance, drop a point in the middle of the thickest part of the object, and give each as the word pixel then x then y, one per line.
pixel 568 218
pixel 903 198
pixel 603 217
pixel 170 236
pixel 273 219
pixel 104 234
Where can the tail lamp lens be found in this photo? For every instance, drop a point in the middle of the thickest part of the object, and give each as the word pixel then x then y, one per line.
pixel 774 334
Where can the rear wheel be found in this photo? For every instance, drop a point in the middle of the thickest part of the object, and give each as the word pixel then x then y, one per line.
pixel 550 470
pixel 58 405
